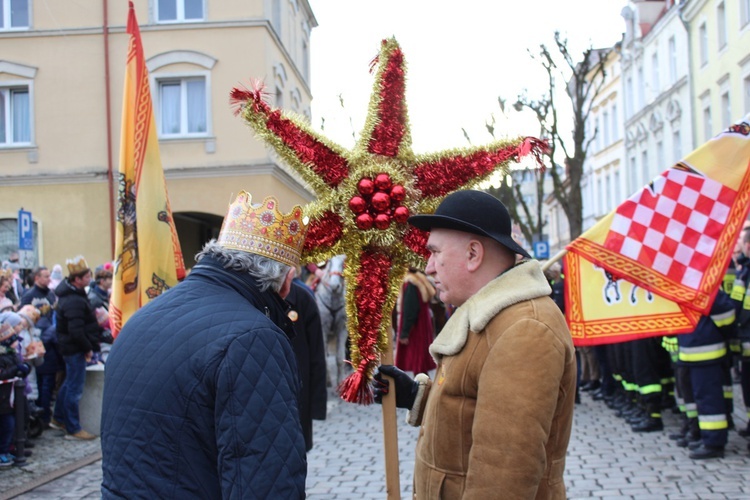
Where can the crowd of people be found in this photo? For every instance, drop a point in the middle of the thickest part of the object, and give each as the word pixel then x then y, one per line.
pixel 690 374
pixel 51 328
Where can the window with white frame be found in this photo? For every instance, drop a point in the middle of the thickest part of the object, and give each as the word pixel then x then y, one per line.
pixel 615 124
pixel 672 60
pixel 703 41
pixel 15 116
pixel 616 197
pixel 726 105
pixel 660 156
pixel 183 106
pixel 706 115
pixel 641 88
pixel 676 145
pixel 721 25
pixel 276 16
pixel 179 11
pixel 608 192
pixel 598 137
pixel 14 14
pixel 655 74
pixel 599 196
pixel 645 168
pixel 744 13
pixel 633 175
pixel 605 126
pixel 629 97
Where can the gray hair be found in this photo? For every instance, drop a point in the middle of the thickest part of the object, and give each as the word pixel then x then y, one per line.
pixel 267 272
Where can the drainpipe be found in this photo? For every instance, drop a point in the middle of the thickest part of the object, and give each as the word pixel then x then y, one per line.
pixel 110 173
pixel 691 85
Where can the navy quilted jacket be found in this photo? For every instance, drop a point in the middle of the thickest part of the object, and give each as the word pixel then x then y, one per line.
pixel 200 396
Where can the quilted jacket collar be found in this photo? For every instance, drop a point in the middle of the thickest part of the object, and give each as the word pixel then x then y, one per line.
pixel 269 303
pixel 525 281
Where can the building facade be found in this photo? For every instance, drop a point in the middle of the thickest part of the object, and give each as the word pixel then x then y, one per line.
pixel 62 67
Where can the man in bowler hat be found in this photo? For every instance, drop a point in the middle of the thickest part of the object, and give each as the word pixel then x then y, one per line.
pixel 496 420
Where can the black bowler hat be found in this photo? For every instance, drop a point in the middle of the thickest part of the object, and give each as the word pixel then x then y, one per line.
pixel 473 212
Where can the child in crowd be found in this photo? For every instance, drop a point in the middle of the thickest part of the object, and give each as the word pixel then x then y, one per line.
pixel 10 368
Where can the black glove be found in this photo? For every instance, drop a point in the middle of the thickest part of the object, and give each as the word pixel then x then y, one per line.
pixel 23 370
pixel 406 387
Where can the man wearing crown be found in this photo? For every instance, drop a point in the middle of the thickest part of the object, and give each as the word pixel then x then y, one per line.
pixel 200 393
pixel 78 335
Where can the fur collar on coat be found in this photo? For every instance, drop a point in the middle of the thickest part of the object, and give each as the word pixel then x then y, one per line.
pixel 525 281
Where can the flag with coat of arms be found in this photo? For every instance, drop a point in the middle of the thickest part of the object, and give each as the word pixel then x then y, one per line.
pixel 654 265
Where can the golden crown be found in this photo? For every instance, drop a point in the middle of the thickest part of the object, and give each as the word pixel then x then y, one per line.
pixel 263 230
pixel 77 265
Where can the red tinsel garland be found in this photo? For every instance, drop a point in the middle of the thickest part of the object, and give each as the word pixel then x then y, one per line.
pixel 416 241
pixel 370 294
pixel 323 232
pixel 387 134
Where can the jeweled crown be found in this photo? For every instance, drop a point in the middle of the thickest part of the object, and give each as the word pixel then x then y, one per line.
pixel 77 265
pixel 262 229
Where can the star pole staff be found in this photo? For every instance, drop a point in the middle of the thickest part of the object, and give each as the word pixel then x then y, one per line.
pixel 390 433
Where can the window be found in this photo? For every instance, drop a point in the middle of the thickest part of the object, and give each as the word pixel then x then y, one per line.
pixel 598 137
pixel 744 13
pixel 672 60
pixel 305 60
pixel 706 113
pixel 182 106
pixel 726 107
pixel 660 166
pixel 605 126
pixel 608 192
pixel 177 11
pixel 15 116
pixel 655 74
pixel 599 196
pixel 629 97
pixel 746 87
pixel 616 197
pixel 676 145
pixel 615 124
pixel 14 14
pixel 279 98
pixel 645 170
pixel 641 88
pixel 276 16
pixel 633 175
pixel 703 41
pixel 721 25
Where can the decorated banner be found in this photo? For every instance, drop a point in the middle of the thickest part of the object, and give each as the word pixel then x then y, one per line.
pixel 148 259
pixel 672 238
pixel 602 309
pixel 366 195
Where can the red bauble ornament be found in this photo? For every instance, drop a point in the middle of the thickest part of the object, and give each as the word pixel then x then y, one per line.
pixel 364 221
pixel 401 214
pixel 398 193
pixel 366 186
pixel 382 221
pixel 383 182
pixel 381 201
pixel 357 204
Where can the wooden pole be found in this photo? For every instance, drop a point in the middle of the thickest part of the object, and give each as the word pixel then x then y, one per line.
pixel 559 255
pixel 390 433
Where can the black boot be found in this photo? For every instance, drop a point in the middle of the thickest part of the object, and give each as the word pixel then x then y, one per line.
pixel 649 424
pixel 705 451
pixel 684 428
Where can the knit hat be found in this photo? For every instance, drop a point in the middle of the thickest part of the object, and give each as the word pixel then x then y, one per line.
pixel 9 335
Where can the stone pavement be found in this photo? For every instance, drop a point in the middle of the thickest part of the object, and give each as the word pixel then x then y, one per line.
pixel 605 460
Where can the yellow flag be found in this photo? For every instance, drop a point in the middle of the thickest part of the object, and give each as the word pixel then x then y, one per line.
pixel 148 259
pixel 675 236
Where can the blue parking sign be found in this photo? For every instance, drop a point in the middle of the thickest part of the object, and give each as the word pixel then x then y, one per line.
pixel 25 231
pixel 541 250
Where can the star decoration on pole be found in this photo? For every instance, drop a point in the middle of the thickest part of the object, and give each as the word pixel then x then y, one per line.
pixel 366 195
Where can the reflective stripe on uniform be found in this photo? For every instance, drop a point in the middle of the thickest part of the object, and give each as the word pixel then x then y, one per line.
pixel 650 389
pixel 712 422
pixel 723 319
pixel 704 352
pixel 728 392
pixel 746 349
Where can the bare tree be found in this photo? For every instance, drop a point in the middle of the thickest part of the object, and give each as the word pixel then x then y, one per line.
pixel 585 80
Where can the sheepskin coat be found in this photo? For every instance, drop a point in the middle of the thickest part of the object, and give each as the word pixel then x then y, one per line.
pixel 496 421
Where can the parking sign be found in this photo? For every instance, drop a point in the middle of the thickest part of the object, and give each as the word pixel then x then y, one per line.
pixel 541 250
pixel 25 231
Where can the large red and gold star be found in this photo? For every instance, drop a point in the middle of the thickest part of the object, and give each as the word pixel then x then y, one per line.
pixel 365 196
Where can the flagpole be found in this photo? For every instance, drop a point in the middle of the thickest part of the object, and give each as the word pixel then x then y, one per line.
pixel 559 255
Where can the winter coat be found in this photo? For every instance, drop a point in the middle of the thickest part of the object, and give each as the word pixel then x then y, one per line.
pixel 98 297
pixel 311 359
pixel 8 369
pixel 497 420
pixel 707 344
pixel 43 299
pixel 78 332
pixel 200 395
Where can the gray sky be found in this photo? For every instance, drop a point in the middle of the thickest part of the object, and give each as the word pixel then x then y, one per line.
pixel 460 55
